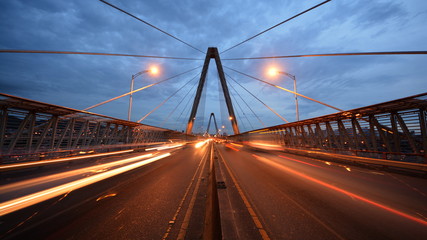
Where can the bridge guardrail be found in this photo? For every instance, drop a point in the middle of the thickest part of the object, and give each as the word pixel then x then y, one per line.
pixel 394 132
pixel 31 128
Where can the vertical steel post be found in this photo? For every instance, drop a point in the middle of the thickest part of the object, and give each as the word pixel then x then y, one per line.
pixel 31 131
pixel 423 128
pixel 295 92
pixel 396 138
pixel 53 135
pixel 3 124
pixel 71 136
pixel 296 98
pixel 130 97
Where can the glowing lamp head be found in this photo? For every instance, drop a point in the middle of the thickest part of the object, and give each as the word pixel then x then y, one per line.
pixel 154 70
pixel 273 71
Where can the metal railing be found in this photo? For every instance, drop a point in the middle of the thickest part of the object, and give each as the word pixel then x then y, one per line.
pixel 31 129
pixel 394 130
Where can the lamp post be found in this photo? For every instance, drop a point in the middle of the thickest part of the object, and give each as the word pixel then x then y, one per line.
pixel 153 70
pixel 273 71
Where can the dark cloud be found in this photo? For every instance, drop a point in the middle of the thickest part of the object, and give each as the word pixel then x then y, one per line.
pixel 339 26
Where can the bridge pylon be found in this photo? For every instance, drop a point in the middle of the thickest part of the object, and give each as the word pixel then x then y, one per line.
pixel 213 53
pixel 209 124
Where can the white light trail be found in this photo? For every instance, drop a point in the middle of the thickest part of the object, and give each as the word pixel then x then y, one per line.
pixel 164 147
pixel 25 201
pixel 45 162
pixel 200 144
pixel 63 175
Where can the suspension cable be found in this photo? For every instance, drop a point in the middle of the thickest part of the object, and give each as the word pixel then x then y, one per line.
pixel 93 53
pixel 177 105
pixel 248 106
pixel 240 116
pixel 268 29
pixel 185 107
pixel 287 90
pixel 277 114
pixel 237 113
pixel 139 89
pixel 241 110
pixel 151 25
pixel 167 99
pixel 335 54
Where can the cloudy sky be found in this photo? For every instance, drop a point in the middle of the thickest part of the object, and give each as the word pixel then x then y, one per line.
pixel 79 81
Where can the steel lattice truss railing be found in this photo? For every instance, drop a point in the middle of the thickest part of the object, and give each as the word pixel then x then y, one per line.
pixel 394 130
pixel 31 127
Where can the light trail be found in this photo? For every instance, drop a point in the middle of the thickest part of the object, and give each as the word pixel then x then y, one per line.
pixel 291 159
pixel 14 166
pixel 265 146
pixel 60 176
pixel 231 147
pixel 238 145
pixel 200 144
pixel 163 147
pixel 340 190
pixel 26 201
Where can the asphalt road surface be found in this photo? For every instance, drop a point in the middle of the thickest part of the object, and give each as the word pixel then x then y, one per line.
pixel 261 195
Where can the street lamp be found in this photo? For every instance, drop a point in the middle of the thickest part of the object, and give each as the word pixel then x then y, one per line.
pixel 274 72
pixel 152 70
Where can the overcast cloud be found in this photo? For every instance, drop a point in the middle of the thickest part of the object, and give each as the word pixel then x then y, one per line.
pixel 78 81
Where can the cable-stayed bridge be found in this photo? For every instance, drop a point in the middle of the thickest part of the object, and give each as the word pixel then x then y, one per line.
pixel 353 174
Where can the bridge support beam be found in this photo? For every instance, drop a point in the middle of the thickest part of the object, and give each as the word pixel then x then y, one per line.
pixel 212 53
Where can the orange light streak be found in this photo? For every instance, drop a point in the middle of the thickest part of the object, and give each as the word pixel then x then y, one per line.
pixel 106 196
pixel 235 149
pixel 164 147
pixel 45 162
pixel 299 161
pixel 350 194
pixel 265 146
pixel 22 202
pixel 54 177
pixel 200 144
pixel 235 144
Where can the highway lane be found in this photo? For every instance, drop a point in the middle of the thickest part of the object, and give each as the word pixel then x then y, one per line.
pixel 268 195
pixel 138 204
pixel 301 198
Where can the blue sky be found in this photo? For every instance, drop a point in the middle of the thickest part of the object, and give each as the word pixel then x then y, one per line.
pixel 339 26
